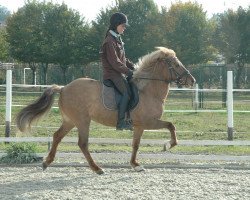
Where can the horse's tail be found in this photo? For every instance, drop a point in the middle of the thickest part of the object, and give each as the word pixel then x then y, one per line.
pixel 36 110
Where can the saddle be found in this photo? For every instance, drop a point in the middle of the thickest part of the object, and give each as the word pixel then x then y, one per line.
pixel 111 96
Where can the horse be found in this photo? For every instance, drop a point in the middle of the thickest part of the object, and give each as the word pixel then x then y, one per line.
pixel 80 102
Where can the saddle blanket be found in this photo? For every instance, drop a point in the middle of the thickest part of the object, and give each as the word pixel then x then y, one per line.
pixel 108 98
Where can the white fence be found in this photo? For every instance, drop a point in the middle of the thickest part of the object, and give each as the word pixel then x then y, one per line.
pixel 195 91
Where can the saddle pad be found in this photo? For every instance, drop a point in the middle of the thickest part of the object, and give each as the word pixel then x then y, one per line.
pixel 108 97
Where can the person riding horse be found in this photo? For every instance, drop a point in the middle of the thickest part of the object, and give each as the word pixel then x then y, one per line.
pixel 116 67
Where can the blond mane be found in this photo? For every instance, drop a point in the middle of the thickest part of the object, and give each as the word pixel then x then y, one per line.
pixel 147 66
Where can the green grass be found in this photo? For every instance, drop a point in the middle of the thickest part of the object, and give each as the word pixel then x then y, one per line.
pixel 189 126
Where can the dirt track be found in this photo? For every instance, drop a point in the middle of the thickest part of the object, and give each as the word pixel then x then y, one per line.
pixel 123 183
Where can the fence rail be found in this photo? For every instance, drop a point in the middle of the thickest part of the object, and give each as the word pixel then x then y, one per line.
pixel 195 92
pixel 129 141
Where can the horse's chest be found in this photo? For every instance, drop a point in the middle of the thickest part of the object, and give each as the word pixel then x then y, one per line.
pixel 152 108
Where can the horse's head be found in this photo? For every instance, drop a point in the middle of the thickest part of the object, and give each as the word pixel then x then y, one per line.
pixel 161 65
pixel 176 70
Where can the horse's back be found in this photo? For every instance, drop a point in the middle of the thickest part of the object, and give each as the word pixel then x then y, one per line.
pixel 80 95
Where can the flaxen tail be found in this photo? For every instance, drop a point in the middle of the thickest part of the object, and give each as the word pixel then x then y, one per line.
pixel 36 110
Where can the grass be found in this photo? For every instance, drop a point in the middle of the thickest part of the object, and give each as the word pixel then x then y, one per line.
pixel 190 126
pixel 19 153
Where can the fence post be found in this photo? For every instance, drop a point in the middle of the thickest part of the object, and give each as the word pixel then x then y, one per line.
pixel 8 67
pixel 196 100
pixel 230 105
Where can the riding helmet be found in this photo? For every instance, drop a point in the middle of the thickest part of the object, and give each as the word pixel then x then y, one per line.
pixel 117 19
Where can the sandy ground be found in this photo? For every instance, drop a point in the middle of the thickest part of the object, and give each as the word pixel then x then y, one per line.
pixel 123 183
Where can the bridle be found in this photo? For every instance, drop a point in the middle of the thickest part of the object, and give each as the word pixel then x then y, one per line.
pixel 176 73
pixel 172 71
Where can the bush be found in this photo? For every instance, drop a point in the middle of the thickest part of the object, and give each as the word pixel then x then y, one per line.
pixel 20 153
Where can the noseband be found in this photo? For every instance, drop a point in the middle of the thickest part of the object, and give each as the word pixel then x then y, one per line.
pixel 177 74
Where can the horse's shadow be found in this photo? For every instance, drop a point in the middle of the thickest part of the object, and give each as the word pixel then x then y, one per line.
pixel 49 181
pixel 46 182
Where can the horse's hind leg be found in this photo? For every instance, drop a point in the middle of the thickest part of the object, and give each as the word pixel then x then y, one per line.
pixel 135 145
pixel 83 144
pixel 57 137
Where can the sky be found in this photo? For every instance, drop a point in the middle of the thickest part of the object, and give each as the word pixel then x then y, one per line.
pixel 90 8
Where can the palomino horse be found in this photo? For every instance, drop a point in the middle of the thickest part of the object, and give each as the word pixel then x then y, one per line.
pixel 80 102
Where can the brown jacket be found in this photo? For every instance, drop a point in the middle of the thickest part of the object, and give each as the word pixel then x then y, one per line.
pixel 113 58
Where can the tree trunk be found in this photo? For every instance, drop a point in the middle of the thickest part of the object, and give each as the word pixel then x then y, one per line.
pixel 33 68
pixel 45 72
pixel 64 70
pixel 240 69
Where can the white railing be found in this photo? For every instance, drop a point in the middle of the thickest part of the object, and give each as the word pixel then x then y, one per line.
pixel 128 141
pixel 196 91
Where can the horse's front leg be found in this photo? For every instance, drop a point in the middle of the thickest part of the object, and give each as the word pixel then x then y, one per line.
pixel 159 124
pixel 135 145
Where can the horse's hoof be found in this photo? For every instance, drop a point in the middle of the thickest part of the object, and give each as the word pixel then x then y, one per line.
pixel 173 144
pixel 169 145
pixel 99 171
pixel 44 166
pixel 139 168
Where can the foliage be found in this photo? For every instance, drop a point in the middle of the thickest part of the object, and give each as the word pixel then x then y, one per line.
pixel 232 35
pixel 19 153
pixel 231 38
pixel 4 46
pixel 47 33
pixel 186 30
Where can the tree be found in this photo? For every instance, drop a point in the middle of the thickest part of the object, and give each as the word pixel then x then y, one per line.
pixel 23 34
pixel 47 33
pixel 4 46
pixel 232 38
pixel 186 31
pixel 64 33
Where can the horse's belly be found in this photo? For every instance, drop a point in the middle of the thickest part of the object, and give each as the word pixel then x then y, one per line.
pixel 102 115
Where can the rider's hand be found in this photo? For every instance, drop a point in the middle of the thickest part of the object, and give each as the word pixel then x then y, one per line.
pixel 130 76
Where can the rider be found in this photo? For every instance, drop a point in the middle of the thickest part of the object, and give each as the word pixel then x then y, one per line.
pixel 116 67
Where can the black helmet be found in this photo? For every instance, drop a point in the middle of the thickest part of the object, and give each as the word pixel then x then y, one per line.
pixel 116 19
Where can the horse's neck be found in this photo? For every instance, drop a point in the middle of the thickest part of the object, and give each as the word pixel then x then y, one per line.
pixel 157 89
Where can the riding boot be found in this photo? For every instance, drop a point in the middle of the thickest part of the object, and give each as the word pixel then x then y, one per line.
pixel 122 108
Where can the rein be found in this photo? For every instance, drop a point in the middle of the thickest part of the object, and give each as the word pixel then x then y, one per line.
pixel 154 79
